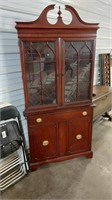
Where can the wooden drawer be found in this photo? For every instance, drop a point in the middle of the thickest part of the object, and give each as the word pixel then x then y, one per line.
pixel 38 119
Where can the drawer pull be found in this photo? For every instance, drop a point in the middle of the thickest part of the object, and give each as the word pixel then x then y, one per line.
pixel 84 113
pixel 79 136
pixel 45 142
pixel 39 120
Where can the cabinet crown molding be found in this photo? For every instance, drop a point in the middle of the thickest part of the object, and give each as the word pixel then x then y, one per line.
pixel 42 22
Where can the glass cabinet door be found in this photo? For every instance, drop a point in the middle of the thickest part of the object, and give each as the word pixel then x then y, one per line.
pixel 40 69
pixel 78 63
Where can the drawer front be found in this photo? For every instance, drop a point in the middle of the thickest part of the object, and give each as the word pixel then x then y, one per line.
pixel 38 119
pixel 79 135
pixel 43 142
pixel 103 105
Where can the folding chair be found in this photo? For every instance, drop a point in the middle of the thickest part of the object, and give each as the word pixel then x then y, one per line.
pixel 13 165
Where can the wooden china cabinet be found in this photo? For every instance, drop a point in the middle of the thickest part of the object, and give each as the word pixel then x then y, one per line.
pixel 57 71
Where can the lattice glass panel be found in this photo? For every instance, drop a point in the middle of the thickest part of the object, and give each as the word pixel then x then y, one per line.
pixel 40 65
pixel 78 62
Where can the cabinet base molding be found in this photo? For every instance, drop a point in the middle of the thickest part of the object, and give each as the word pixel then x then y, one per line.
pixel 34 166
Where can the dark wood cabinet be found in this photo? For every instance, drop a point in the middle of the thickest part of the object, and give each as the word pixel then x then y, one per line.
pixel 57 68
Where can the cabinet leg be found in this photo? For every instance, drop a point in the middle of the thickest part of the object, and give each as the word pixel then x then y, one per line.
pixel 33 168
pixel 90 155
pixel 108 116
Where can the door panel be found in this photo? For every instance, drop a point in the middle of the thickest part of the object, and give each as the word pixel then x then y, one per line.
pixel 44 142
pixel 79 135
pixel 40 67
pixel 77 70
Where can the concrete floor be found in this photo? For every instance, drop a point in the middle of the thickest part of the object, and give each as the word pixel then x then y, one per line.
pixel 78 179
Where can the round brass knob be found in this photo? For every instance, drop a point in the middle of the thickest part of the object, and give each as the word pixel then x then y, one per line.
pixel 39 120
pixel 45 142
pixel 79 136
pixel 84 113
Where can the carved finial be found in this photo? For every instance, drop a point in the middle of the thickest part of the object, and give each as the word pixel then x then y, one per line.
pixel 59 12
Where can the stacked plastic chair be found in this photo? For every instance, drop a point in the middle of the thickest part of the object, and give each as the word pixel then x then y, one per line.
pixel 13 162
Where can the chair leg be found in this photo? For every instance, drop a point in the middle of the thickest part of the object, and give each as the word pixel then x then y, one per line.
pixel 25 159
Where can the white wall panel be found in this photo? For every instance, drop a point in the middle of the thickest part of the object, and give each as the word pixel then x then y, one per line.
pixel 11 87
pixel 12 69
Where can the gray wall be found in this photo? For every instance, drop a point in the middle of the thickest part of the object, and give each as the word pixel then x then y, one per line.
pixel 11 87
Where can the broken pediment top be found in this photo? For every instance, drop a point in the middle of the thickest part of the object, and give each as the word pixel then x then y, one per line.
pixel 42 21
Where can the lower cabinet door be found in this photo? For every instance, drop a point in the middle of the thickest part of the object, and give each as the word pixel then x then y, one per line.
pixel 43 142
pixel 79 135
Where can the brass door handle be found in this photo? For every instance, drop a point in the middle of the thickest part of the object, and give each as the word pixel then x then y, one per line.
pixel 79 137
pixel 84 113
pixel 39 120
pixel 45 142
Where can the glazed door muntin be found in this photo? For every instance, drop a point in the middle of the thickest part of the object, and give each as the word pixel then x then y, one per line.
pixel 41 74
pixel 70 83
pixel 76 70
